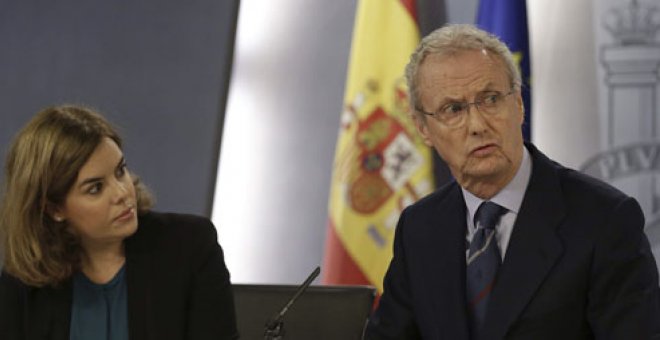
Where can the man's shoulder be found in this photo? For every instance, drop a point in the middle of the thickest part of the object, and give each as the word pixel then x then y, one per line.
pixel 578 182
pixel 448 191
pixel 580 188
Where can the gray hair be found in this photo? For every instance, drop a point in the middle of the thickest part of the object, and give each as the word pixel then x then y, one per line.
pixel 449 40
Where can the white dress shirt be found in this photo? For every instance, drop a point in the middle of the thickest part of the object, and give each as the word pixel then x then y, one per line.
pixel 510 197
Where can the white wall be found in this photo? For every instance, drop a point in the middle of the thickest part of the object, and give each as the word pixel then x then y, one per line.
pixel 565 102
pixel 281 124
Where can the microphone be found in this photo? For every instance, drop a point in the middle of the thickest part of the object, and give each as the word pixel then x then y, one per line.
pixel 275 327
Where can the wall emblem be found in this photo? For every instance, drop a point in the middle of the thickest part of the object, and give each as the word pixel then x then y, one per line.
pixel 629 108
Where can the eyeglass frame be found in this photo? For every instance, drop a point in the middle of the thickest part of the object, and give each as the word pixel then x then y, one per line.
pixel 465 106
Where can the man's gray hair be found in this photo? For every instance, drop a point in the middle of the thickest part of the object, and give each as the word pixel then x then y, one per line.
pixel 449 40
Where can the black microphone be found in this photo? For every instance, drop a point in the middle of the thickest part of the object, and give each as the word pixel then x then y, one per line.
pixel 275 327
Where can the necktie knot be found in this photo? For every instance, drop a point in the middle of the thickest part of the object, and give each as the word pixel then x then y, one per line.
pixel 488 214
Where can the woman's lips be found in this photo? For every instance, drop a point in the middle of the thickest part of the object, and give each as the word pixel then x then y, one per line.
pixel 125 215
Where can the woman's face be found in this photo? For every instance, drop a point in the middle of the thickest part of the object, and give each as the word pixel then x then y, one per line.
pixel 101 207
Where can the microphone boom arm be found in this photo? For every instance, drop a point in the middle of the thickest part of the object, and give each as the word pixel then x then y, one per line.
pixel 275 327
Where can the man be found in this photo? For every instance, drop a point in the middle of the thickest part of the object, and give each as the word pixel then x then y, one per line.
pixel 517 247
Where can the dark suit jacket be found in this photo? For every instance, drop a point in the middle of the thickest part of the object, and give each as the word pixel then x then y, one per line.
pixel 578 266
pixel 178 288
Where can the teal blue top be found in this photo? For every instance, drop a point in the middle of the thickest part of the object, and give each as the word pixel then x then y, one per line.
pixel 99 311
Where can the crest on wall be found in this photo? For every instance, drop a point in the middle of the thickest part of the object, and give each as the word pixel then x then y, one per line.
pixel 629 108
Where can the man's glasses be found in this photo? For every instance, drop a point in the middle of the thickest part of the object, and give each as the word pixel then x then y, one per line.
pixel 454 114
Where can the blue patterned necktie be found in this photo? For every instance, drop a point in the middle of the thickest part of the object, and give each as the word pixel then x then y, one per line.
pixel 483 262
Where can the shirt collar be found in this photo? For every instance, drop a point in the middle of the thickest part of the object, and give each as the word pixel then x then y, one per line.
pixel 511 195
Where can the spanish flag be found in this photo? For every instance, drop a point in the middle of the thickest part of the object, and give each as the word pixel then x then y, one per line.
pixel 381 165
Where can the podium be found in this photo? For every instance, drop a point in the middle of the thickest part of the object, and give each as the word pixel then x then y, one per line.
pixel 320 313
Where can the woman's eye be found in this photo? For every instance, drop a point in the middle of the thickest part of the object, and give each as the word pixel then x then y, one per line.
pixel 94 189
pixel 121 171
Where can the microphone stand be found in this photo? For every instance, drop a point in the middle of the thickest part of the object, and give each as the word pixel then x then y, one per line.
pixel 275 327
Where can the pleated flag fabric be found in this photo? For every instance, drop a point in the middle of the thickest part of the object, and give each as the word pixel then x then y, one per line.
pixel 507 19
pixel 381 165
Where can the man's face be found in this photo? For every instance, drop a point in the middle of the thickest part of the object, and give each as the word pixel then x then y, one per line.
pixel 484 150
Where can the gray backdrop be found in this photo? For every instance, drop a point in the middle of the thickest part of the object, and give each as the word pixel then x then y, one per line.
pixel 157 69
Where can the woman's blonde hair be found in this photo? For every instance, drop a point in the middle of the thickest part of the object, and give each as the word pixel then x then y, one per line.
pixel 42 165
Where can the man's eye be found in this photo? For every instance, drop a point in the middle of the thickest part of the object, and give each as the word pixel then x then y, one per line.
pixel 491 99
pixel 453 108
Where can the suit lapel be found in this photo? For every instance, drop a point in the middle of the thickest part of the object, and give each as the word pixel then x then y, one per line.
pixel 445 267
pixel 533 249
pixel 138 263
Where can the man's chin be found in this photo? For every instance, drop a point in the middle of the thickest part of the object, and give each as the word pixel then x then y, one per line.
pixel 484 168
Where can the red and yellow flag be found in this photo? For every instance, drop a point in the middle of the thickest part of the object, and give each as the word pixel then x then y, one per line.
pixel 381 165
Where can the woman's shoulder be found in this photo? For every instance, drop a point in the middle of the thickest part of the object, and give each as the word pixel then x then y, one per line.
pixel 152 224
pixel 172 219
pixel 10 282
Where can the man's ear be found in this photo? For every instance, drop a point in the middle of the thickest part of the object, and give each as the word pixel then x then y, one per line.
pixel 521 106
pixel 422 128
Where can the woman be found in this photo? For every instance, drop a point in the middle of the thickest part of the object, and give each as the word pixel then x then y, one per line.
pixel 85 258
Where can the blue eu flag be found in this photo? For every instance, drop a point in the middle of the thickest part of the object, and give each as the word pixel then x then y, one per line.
pixel 507 19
